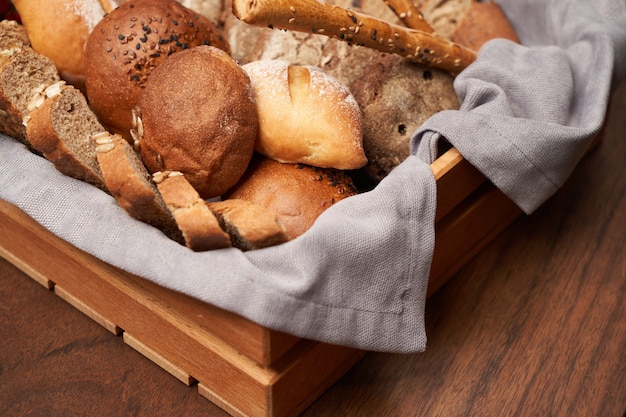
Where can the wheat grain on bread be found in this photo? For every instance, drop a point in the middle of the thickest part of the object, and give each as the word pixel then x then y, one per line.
pixel 60 127
pixel 23 72
pixel 197 115
pixel 131 185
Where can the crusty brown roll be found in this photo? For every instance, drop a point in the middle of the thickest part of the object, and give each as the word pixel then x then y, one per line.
pixel 128 44
pixel 197 115
pixel 58 29
pixel 297 193
pixel 306 116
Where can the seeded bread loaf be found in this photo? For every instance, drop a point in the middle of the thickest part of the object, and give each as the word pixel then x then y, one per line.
pixel 249 225
pixel 129 182
pixel 198 224
pixel 23 72
pixel 128 44
pixel 60 127
pixel 197 115
pixel 297 193
pixel 306 116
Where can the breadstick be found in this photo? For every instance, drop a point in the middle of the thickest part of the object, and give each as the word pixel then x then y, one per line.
pixel 107 5
pixel 409 14
pixel 355 28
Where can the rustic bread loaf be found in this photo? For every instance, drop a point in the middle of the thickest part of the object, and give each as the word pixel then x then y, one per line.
pixel 129 182
pixel 306 116
pixel 297 193
pixel 58 29
pixel 249 225
pixel 60 127
pixel 197 115
pixel 128 44
pixel 198 224
pixel 23 72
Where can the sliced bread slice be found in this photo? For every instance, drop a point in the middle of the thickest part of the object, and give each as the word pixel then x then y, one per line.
pixel 249 225
pixel 197 223
pixel 128 180
pixel 60 127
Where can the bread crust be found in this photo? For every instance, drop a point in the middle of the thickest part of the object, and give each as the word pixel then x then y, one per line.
pixel 61 129
pixel 297 193
pixel 306 116
pixel 198 116
pixel 128 44
pixel 131 185
pixel 249 225
pixel 197 223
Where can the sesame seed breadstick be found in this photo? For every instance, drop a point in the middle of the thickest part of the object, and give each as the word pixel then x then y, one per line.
pixel 355 28
pixel 108 5
pixel 410 15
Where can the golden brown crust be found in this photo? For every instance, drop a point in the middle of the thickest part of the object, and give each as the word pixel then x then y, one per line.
pixel 128 44
pixel 306 116
pixel 483 21
pixel 61 129
pixel 197 223
pixel 59 30
pixel 297 193
pixel 131 185
pixel 198 116
pixel 249 225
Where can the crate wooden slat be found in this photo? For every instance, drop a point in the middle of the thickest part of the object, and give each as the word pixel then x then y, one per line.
pixel 244 368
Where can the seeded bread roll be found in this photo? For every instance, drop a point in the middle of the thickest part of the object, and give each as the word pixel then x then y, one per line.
pixel 306 116
pixel 61 127
pixel 23 72
pixel 128 44
pixel 59 30
pixel 197 116
pixel 249 225
pixel 198 224
pixel 297 193
pixel 130 183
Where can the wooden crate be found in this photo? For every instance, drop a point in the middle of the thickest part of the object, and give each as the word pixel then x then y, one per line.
pixel 244 368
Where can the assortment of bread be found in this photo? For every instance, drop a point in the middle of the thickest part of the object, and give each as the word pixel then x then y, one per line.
pixel 204 122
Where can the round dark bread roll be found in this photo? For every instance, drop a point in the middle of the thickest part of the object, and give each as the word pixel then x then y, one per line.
pixel 197 115
pixel 128 43
pixel 296 193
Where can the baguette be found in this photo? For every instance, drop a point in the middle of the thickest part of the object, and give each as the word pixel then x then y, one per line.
pixel 355 28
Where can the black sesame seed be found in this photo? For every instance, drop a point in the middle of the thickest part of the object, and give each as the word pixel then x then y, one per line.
pixel 138 46
pixel 374 34
pixel 144 39
pixel 428 75
pixel 120 37
pixel 354 19
pixel 402 129
pixel 134 77
pixel 175 22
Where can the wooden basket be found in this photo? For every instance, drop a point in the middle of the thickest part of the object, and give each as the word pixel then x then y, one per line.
pixel 244 368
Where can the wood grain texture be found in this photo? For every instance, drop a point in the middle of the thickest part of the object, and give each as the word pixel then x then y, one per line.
pixel 534 325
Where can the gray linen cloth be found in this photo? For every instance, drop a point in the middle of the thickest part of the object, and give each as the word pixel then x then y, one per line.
pixel 358 277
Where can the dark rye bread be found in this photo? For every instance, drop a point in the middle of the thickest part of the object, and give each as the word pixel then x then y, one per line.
pixel 23 73
pixel 129 182
pixel 199 226
pixel 249 225
pixel 61 127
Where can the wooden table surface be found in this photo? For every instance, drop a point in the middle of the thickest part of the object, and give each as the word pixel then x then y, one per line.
pixel 534 326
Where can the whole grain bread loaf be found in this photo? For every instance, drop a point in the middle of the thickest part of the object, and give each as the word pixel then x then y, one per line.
pixel 60 127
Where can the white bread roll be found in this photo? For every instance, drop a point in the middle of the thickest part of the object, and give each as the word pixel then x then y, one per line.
pixel 306 116
pixel 58 29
